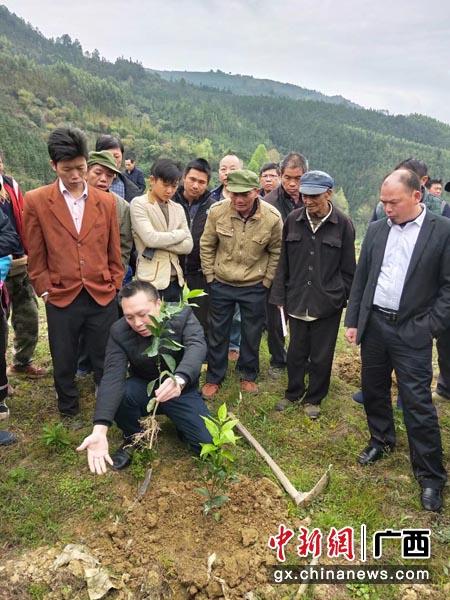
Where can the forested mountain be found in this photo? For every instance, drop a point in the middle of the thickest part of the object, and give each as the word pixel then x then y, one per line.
pixel 45 83
pixel 246 85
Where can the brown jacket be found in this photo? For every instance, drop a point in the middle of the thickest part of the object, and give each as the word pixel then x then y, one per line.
pixel 237 252
pixel 61 261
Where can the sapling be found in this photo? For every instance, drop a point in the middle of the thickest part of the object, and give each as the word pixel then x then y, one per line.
pixel 216 461
pixel 161 343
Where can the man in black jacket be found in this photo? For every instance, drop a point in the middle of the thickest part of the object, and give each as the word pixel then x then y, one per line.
pixel 400 300
pixel 124 400
pixel 312 284
pixel 284 198
pixel 133 172
pixel 196 200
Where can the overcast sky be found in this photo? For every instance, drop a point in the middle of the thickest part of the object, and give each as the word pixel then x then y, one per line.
pixel 389 54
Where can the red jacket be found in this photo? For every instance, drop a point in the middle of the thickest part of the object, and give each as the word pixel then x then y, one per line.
pixel 62 261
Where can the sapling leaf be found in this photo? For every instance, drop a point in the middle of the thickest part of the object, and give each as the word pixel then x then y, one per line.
pixel 222 412
pixel 167 374
pixel 195 294
pixel 170 344
pixel 228 455
pixel 230 424
pixel 170 361
pixel 150 386
pixel 202 491
pixel 212 428
pixel 151 405
pixel 207 449
pixel 152 350
pixel 218 501
pixel 229 436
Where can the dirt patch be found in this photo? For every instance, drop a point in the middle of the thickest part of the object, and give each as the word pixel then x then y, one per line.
pixel 160 547
pixel 348 368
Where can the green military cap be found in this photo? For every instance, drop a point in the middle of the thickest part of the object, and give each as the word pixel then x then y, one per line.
pixel 242 180
pixel 103 158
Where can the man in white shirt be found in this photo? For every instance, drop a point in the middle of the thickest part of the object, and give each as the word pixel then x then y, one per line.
pixel 400 300
pixel 74 263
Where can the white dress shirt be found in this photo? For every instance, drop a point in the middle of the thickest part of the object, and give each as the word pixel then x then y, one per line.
pixel 397 256
pixel 75 205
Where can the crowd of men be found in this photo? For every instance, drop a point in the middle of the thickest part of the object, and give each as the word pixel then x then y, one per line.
pixel 270 250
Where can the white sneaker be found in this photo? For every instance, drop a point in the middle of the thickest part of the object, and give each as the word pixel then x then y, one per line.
pixel 4 411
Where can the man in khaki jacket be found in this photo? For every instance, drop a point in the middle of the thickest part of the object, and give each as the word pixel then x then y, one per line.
pixel 239 252
pixel 161 232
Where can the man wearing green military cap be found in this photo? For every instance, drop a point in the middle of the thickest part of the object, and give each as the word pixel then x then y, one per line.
pixel 101 173
pixel 239 252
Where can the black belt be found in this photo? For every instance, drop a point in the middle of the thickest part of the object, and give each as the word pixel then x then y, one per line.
pixel 388 314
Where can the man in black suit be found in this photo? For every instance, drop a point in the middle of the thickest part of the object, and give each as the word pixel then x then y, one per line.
pixel 400 300
pixel 124 399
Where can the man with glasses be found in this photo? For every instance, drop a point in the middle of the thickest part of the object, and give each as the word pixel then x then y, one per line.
pixel 269 178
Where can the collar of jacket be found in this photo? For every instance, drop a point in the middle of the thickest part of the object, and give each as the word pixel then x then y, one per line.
pixel 303 217
pixel 179 197
pixel 256 215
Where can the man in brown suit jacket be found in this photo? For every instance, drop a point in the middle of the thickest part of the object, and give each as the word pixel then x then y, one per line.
pixel 74 262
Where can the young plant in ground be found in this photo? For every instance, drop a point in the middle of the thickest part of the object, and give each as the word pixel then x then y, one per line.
pixel 161 343
pixel 216 461
pixel 55 436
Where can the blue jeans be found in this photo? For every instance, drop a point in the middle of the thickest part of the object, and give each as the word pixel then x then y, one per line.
pixel 185 413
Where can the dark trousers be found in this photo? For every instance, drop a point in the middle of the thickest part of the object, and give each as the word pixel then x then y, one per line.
pixel 185 412
pixel 65 325
pixel 3 377
pixel 382 350
pixel 172 292
pixel 197 281
pixel 252 303
pixel 443 348
pixel 311 347
pixel 275 337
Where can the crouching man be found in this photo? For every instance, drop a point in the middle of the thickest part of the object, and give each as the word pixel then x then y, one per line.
pixel 124 399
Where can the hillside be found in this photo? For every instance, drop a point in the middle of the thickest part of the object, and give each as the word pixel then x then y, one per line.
pixel 246 85
pixel 46 83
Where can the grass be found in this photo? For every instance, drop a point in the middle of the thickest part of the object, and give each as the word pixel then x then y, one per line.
pixel 49 496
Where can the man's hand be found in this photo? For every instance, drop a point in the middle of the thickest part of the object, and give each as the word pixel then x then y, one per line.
pixel 167 390
pixel 350 334
pixel 97 449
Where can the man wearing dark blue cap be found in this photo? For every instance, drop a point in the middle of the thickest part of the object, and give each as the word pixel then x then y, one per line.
pixel 312 284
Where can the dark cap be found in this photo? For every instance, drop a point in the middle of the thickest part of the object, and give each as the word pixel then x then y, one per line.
pixel 447 186
pixel 316 182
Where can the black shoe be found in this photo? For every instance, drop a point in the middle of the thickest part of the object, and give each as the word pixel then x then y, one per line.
pixel 7 438
pixel 72 422
pixel 431 499
pixel 121 458
pixel 371 454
